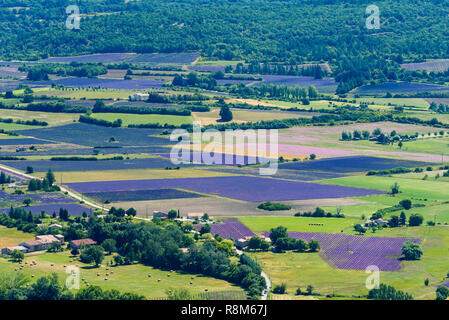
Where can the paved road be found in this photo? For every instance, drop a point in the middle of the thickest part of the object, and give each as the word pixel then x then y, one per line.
pixel 268 282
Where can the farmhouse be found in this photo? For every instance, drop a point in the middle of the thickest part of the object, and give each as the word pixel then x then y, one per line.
pixel 139 96
pixel 379 222
pixel 195 215
pixel 42 242
pixel 76 244
pixel 159 214
pixel 9 250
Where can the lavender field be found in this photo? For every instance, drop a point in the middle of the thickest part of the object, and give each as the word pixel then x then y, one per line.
pixel 252 189
pixel 43 197
pixel 357 252
pixel 151 58
pixel 97 136
pixel 352 164
pixel 74 209
pixel 229 229
pixel 75 165
pixel 140 195
pixel 327 85
pixel 400 87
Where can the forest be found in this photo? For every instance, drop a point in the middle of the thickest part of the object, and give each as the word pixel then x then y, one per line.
pixel 282 32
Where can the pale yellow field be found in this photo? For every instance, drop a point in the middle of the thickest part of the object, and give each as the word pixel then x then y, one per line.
pixel 140 174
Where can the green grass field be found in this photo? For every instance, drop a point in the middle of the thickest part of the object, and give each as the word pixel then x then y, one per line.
pixel 132 278
pixel 53 119
pixel 244 115
pixel 416 102
pixel 86 93
pixel 144 118
pixel 10 237
pixel 300 224
pixel 412 188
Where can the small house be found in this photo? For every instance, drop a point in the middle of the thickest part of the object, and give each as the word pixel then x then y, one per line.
pixel 77 244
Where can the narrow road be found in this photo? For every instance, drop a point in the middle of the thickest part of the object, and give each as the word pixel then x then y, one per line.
pixel 268 282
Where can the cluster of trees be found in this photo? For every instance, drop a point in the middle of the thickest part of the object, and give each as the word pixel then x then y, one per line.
pixel 75 69
pixel 320 213
pixel 386 292
pixel 160 246
pixel 287 93
pixel 193 79
pixel 440 108
pixel 313 70
pixel 33 122
pixel 176 98
pixel 355 135
pixel 4 178
pixel 270 206
pixel 15 286
pixel 46 184
pixel 46 107
pixel 19 218
pixel 101 107
pixel 281 241
pixel 100 122
pixel 399 170
pixel 411 251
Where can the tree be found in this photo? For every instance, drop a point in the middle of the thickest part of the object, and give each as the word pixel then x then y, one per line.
pixel 256 243
pixel 50 177
pixel 301 245
pixel 109 245
pixel 359 229
pixel 118 260
pixel 406 204
pixel 314 245
pixel 55 247
pixel 402 219
pixel 313 92
pixel 17 255
pixel 395 188
pixel 442 293
pixel 385 292
pixel 172 214
pixel 415 220
pixel 205 228
pixel 29 169
pixel 277 233
pixel 46 288
pixel 280 288
pixel 27 202
pixel 394 222
pixel 93 254
pixel 178 294
pixel 225 114
pixel 131 212
pixel 309 290
pixel 411 251
pixel 312 156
